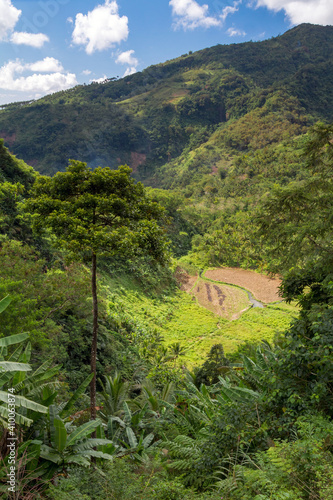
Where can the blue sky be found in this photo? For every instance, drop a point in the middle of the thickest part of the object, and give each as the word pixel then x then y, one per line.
pixel 51 45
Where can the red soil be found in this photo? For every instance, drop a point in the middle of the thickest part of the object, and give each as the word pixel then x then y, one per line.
pixel 261 286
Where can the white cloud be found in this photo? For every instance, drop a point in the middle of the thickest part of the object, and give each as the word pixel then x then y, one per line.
pixel 46 65
pixel 302 11
pixel 9 17
pixel 189 14
pixel 99 80
pixel 130 71
pixel 37 83
pixel 229 10
pixel 127 58
pixel 32 39
pixel 86 72
pixel 101 28
pixel 235 32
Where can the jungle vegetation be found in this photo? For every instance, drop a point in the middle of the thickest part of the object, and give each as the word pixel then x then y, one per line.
pixel 249 422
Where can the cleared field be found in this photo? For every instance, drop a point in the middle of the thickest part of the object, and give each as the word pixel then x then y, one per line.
pixel 191 317
pixel 261 286
pixel 226 301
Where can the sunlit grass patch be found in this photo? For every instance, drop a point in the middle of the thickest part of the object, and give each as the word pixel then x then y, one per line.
pixel 179 318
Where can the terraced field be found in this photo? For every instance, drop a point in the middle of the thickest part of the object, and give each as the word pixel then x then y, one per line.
pixel 262 287
pixel 229 292
pixel 226 301
pixel 204 312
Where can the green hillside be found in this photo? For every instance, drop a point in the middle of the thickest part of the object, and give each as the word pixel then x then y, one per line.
pixel 204 383
pixel 158 116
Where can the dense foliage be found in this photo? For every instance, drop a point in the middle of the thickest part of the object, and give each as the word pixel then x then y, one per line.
pixel 158 116
pixel 252 422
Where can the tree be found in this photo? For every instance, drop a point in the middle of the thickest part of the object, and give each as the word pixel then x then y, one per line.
pixel 215 365
pixel 95 213
pixel 296 220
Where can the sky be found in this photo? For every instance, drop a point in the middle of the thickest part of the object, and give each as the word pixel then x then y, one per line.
pixel 52 45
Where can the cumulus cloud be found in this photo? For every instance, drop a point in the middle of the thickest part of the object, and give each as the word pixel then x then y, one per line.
pixel 36 40
pixel 37 83
pixel 130 71
pixel 188 14
pixel 9 17
pixel 101 28
pixel 127 58
pixel 103 79
pixel 302 11
pixel 235 32
pixel 229 9
pixel 86 72
pixel 46 65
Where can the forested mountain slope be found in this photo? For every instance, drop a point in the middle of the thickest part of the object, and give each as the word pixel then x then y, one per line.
pixel 193 403
pixel 227 99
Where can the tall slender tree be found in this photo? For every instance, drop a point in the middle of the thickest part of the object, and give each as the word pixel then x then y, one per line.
pixel 95 213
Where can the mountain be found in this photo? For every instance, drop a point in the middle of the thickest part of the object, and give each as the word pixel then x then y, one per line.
pixel 177 121
pixel 14 170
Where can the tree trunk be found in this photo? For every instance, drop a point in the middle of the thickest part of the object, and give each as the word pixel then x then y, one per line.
pixel 94 337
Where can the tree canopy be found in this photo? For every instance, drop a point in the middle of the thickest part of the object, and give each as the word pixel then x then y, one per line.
pixel 100 212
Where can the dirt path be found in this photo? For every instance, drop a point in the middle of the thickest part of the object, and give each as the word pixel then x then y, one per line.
pixel 262 287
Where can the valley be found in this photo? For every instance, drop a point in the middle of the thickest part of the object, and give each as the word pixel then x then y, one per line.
pixel 167 326
pixel 205 312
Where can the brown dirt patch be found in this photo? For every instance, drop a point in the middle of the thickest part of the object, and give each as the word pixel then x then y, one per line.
pixel 136 160
pixel 223 300
pixel 185 280
pixel 261 286
pixel 8 138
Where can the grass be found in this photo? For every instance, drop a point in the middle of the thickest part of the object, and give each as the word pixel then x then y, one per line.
pixel 179 318
pixel 258 324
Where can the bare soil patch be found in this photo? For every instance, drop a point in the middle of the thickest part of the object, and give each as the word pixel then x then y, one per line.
pixel 261 286
pixel 223 300
pixel 137 159
pixel 9 138
pixel 185 280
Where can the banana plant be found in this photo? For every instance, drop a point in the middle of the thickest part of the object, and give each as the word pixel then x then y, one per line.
pixel 13 370
pixel 236 394
pixel 114 394
pixel 32 477
pixel 124 431
pixel 139 448
pixel 155 401
pixel 116 426
pixel 71 446
pixel 258 369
